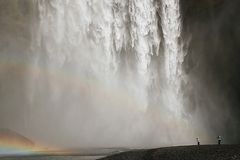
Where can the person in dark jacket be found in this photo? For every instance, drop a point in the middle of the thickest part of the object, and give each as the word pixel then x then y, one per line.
pixel 198 142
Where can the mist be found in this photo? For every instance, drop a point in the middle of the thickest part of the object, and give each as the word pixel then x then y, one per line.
pixel 211 28
pixel 94 74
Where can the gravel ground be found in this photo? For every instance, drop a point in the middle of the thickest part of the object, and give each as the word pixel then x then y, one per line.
pixel 213 152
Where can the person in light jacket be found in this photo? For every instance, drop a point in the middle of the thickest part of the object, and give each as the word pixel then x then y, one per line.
pixel 219 138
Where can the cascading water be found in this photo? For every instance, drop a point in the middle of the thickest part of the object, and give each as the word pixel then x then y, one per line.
pixel 172 26
pixel 94 71
pixel 91 36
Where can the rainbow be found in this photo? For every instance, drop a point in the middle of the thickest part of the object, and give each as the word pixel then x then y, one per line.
pixel 20 149
pixel 68 78
pixel 10 149
pixel 12 143
pixel 63 76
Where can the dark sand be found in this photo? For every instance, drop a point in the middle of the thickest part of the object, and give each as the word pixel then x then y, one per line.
pixel 210 152
pixel 74 154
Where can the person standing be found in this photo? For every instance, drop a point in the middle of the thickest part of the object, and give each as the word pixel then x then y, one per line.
pixel 198 142
pixel 219 140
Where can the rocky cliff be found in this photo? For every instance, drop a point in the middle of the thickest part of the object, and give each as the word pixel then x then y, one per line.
pixel 212 34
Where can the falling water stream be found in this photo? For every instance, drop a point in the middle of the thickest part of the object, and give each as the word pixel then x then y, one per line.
pixel 172 26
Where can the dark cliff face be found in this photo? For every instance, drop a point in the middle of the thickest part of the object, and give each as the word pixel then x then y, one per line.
pixel 212 28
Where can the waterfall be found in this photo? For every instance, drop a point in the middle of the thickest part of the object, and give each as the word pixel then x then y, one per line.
pixel 172 26
pixel 109 46
pixel 92 35
pixel 104 38
pixel 96 68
